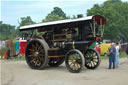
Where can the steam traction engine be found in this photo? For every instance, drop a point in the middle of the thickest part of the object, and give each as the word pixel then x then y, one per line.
pixel 66 40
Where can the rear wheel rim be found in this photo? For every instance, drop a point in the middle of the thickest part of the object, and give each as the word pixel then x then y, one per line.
pixel 35 54
pixel 74 61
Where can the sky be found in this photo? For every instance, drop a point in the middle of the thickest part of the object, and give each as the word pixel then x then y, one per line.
pixel 12 10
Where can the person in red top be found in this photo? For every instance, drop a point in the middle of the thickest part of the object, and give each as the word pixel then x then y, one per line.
pixel 5 53
pixel 96 47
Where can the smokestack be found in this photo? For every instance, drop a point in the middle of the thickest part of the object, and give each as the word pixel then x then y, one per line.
pixel 79 15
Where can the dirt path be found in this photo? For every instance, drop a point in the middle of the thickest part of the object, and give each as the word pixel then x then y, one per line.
pixel 0 72
pixel 18 73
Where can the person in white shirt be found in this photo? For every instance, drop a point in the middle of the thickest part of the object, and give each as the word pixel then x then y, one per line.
pixel 117 55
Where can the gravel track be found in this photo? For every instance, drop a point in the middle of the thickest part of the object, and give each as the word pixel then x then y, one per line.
pixel 18 73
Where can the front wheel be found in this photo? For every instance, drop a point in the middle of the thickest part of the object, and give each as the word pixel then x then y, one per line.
pixel 92 59
pixel 74 61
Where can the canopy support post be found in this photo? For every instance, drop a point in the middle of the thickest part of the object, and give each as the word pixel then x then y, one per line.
pixel 94 27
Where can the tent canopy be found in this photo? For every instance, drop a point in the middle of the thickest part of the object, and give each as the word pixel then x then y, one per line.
pixel 65 23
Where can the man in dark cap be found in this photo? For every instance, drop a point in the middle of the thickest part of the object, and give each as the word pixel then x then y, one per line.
pixel 112 55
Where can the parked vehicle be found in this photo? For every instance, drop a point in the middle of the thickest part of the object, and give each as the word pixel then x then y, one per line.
pixel 104 48
pixel 64 40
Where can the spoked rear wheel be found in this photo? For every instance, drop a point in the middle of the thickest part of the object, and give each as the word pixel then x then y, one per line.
pixel 92 59
pixel 56 61
pixel 74 61
pixel 36 54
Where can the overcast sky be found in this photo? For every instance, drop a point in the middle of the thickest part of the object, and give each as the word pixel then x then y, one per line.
pixel 13 10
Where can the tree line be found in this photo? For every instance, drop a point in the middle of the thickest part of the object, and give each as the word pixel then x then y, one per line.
pixel 114 11
pixel 116 14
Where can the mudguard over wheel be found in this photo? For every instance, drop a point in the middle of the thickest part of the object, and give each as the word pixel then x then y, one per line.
pixel 74 61
pixel 56 61
pixel 92 59
pixel 36 54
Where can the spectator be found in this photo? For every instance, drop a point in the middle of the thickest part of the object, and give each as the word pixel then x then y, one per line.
pixel 117 55
pixel 126 49
pixel 96 47
pixel 0 44
pixel 18 53
pixel 112 55
pixel 17 37
pixel 8 55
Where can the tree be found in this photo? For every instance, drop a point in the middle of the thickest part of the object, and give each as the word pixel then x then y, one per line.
pixel 26 21
pixel 6 31
pixel 52 17
pixel 23 22
pixel 115 13
pixel 56 14
pixel 58 11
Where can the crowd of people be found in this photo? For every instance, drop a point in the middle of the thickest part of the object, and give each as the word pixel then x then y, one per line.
pixel 114 52
pixel 2 44
pixel 114 55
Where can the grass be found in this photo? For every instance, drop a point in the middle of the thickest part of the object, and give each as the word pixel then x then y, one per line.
pixel 122 55
pixel 22 58
pixel 104 57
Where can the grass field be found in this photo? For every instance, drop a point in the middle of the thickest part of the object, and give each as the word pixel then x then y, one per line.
pixel 122 55
pixel 21 58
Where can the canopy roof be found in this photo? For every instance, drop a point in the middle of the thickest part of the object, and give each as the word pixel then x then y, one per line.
pixel 64 23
